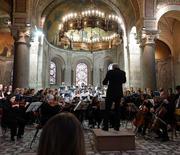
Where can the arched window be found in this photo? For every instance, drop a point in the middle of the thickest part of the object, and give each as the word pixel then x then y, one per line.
pixel 81 74
pixel 52 73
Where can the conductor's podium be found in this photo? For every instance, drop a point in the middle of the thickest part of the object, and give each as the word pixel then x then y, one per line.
pixel 114 140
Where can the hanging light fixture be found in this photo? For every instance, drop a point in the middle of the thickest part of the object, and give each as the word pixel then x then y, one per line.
pixel 91 18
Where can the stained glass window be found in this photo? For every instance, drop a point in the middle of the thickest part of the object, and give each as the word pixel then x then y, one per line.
pixel 81 74
pixel 52 73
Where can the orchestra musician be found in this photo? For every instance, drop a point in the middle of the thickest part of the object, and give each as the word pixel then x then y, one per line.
pixel 13 117
pixel 162 118
pixel 49 108
pixel 94 113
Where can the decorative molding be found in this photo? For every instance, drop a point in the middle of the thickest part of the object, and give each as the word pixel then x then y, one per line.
pixel 148 37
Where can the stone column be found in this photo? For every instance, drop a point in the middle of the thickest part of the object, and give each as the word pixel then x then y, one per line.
pixel 101 71
pixel 68 70
pixel 91 77
pixel 62 74
pixel 148 63
pixel 141 65
pixel 72 77
pixel 21 61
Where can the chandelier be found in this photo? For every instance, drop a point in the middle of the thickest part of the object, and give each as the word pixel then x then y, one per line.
pixel 94 30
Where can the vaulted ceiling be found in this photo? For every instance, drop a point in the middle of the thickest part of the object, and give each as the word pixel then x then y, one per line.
pixel 129 9
pixel 168 26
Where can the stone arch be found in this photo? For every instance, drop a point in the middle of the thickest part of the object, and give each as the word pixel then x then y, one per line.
pixel 60 60
pixel 164 65
pixel 60 69
pixel 167 43
pixel 89 64
pixel 165 9
pixel 107 61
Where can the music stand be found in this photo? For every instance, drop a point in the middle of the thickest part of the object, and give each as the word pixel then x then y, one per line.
pixel 33 106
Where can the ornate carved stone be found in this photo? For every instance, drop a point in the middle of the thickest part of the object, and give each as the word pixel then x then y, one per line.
pixel 148 37
pixel 21 34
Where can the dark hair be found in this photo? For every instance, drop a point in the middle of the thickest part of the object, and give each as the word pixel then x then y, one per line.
pixel 62 135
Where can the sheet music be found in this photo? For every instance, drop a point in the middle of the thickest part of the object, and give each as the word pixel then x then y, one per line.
pixel 33 106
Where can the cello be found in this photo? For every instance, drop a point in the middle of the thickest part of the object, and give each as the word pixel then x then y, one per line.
pixel 159 114
pixel 139 119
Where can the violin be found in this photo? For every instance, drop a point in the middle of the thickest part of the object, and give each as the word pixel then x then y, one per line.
pixel 15 104
pixel 18 104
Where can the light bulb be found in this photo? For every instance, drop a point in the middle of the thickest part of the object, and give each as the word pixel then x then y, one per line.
pixel 93 11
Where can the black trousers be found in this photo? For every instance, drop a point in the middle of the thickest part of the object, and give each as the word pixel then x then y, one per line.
pixel 17 128
pixel 116 112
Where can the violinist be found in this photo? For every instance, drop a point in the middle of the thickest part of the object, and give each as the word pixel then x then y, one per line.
pixel 12 118
pixel 49 108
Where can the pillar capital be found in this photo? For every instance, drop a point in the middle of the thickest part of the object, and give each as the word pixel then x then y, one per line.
pixel 21 34
pixel 148 37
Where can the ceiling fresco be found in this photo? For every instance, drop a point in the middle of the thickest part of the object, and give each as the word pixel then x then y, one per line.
pixel 6 39
pixel 6 44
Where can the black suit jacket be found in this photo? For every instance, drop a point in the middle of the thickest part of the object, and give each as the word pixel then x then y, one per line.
pixel 114 78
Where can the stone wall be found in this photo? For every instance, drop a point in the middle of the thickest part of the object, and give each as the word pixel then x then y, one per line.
pixel 67 61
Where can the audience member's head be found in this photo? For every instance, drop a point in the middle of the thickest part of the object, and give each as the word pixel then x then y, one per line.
pixel 62 135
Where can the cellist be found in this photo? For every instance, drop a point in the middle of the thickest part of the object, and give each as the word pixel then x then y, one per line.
pixel 163 117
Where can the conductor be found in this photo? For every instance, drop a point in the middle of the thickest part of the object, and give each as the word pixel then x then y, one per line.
pixel 114 78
